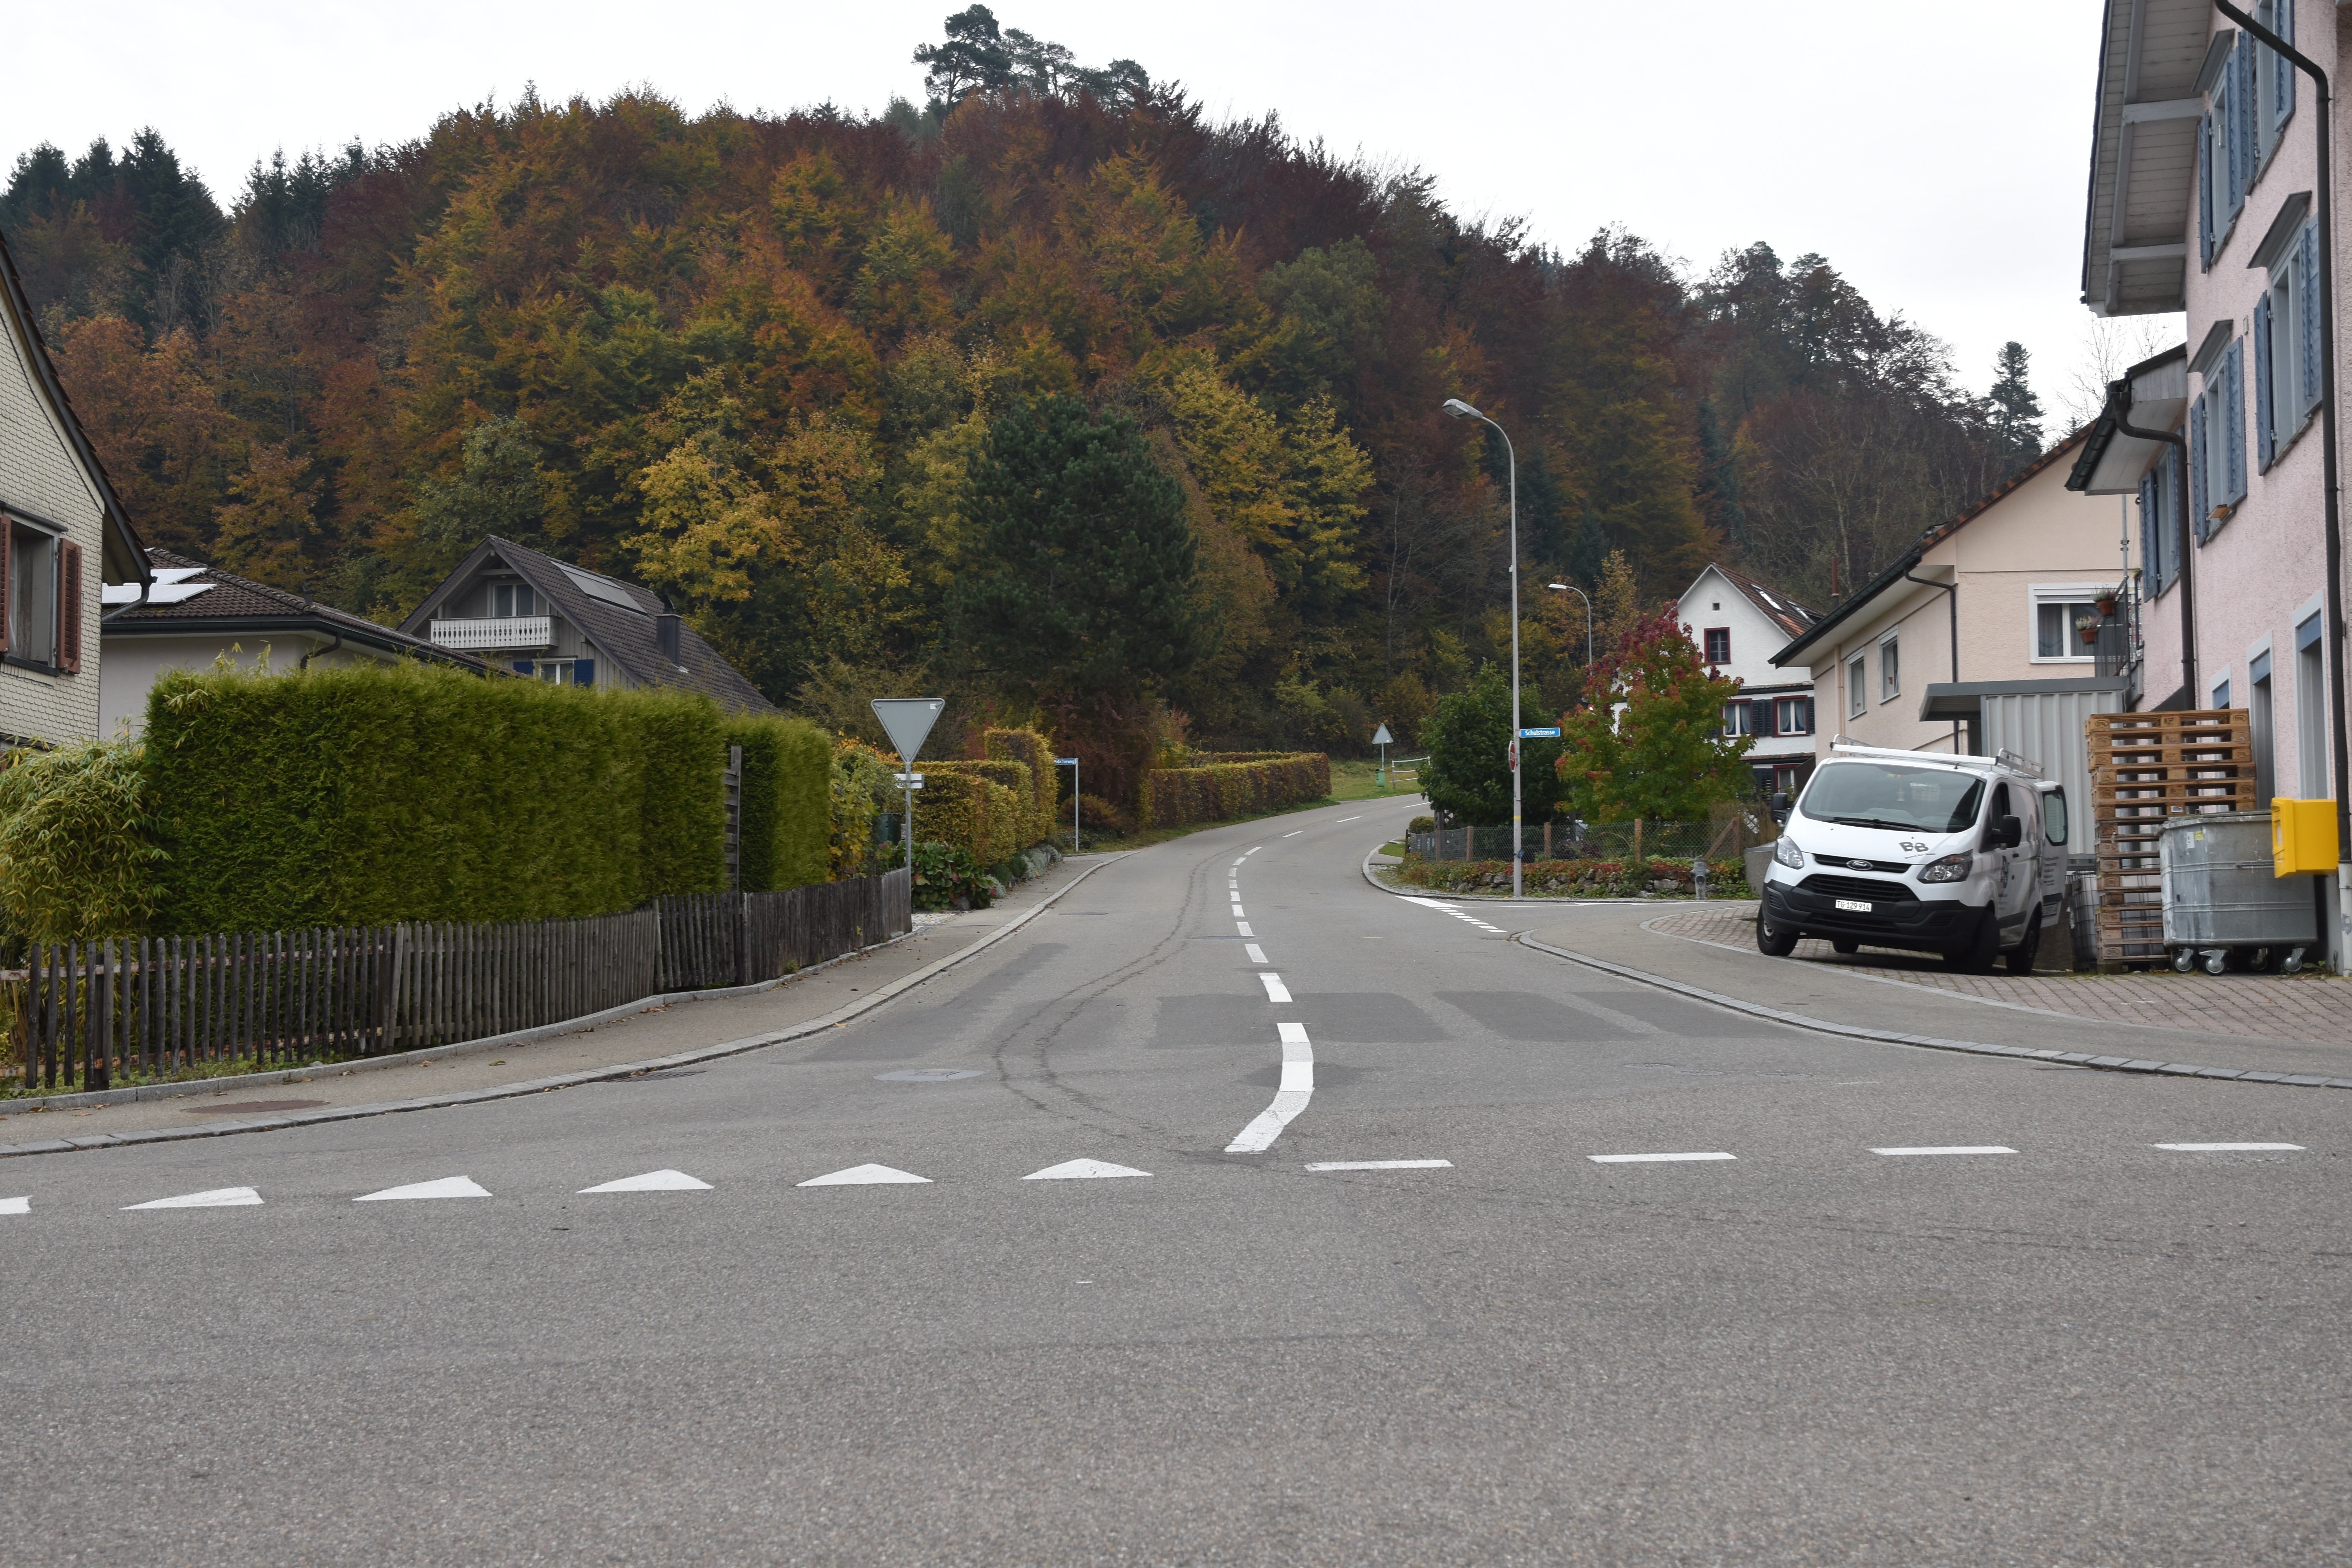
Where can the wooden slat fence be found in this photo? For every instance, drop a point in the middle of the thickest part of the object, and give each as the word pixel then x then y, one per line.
pixel 82 1013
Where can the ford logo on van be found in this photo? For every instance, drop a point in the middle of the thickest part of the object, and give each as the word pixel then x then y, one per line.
pixel 1858 865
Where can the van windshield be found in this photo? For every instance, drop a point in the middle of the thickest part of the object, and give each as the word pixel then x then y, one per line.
pixel 1879 795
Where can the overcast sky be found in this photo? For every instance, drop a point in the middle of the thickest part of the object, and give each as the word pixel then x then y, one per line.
pixel 1936 154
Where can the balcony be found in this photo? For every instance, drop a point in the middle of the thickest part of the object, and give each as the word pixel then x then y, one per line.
pixel 504 631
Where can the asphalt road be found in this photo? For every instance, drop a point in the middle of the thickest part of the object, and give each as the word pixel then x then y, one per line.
pixel 2092 1349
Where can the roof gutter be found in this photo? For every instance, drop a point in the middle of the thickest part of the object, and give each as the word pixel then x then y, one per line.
pixel 2324 138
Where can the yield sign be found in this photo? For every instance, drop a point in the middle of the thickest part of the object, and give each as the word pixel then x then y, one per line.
pixel 1381 737
pixel 908 720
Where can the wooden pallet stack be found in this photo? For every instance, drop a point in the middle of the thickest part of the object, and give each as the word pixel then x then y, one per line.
pixel 2146 769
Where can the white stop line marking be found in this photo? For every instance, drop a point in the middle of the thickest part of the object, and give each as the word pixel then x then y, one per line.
pixel 2227 1148
pixel 1653 1159
pixel 1955 1149
pixel 1297 1089
pixel 1275 991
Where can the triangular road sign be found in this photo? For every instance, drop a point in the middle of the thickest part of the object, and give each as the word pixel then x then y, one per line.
pixel 1381 737
pixel 1079 1169
pixel 446 1187
pixel 218 1198
pixel 908 720
pixel 863 1176
pixel 653 1181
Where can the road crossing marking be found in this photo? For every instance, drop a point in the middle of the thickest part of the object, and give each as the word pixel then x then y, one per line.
pixel 446 1187
pixel 16 1206
pixel 866 1175
pixel 1954 1148
pixel 1653 1159
pixel 653 1181
pixel 1082 1170
pixel 218 1198
pixel 1296 1089
pixel 1275 991
pixel 1256 953
pixel 2227 1148
pixel 1381 1166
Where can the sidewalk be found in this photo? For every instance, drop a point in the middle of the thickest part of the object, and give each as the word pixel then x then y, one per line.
pixel 610 1047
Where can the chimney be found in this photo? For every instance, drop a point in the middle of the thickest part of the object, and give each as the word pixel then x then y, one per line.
pixel 666 635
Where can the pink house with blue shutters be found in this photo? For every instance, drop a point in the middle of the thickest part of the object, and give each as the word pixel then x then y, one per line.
pixel 2204 200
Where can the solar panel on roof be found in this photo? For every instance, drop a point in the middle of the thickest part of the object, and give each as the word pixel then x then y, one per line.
pixel 604 589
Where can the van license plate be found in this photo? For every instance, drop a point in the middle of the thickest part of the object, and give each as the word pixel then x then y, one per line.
pixel 1856 905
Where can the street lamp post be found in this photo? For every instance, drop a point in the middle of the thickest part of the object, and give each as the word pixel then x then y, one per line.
pixel 1572 588
pixel 1461 410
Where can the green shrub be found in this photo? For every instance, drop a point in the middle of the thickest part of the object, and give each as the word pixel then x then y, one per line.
pixel 1035 753
pixel 347 796
pixel 787 801
pixel 862 790
pixel 960 805
pixel 1232 783
pixel 77 858
pixel 1577 878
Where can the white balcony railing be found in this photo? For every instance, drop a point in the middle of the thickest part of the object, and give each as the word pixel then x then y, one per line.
pixel 504 631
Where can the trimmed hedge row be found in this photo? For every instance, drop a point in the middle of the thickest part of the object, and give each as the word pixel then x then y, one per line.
pixel 1171 798
pixel 787 804
pixel 1580 878
pixel 961 805
pixel 368 794
pixel 1035 753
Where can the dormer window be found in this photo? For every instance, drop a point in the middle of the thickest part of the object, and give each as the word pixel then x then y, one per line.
pixel 510 599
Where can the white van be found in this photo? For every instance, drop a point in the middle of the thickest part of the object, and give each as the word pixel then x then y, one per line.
pixel 1961 855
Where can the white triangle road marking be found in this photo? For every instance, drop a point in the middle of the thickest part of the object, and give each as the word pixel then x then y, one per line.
pixel 446 1187
pixel 653 1181
pixel 218 1198
pixel 16 1206
pixel 1079 1169
pixel 865 1175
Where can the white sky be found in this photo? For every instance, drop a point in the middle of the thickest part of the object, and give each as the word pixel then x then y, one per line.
pixel 1935 153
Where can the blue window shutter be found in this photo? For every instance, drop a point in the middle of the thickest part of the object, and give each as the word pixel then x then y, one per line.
pixel 583 672
pixel 2282 98
pixel 2197 475
pixel 2265 443
pixel 2245 103
pixel 2234 420
pixel 2306 262
pixel 2205 189
pixel 2150 559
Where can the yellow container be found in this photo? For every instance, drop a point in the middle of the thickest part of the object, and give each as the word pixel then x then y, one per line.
pixel 2302 837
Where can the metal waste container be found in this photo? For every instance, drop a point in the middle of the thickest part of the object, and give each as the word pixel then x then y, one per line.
pixel 2222 905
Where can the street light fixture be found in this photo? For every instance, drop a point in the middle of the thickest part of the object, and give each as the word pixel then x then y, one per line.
pixel 1461 410
pixel 1572 588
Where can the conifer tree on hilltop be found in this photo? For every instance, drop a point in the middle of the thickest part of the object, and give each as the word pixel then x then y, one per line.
pixel 2016 421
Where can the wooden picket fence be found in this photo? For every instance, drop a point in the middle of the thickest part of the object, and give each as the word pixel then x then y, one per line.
pixel 83 1012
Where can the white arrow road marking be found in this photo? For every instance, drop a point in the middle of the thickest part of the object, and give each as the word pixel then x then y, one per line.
pixel 16 1206
pixel 1382 1165
pixel 1275 991
pixel 1256 953
pixel 218 1198
pixel 1653 1158
pixel 1081 1170
pixel 653 1181
pixel 2226 1148
pixel 1955 1149
pixel 446 1187
pixel 1297 1089
pixel 866 1175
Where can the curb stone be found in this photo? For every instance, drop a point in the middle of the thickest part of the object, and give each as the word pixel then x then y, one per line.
pixel 834 1019
pixel 1884 1036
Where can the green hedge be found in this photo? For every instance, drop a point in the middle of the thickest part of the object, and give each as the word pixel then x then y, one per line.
pixel 1171 798
pixel 347 796
pixel 960 805
pixel 787 801
pixel 1034 752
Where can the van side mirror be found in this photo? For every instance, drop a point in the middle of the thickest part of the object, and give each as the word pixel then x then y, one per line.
pixel 2008 833
pixel 1781 807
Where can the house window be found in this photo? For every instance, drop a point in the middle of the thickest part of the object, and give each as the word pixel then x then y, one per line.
pixel 40 595
pixel 1890 670
pixel 1718 644
pixel 1856 690
pixel 2217 440
pixel 2274 77
pixel 1793 715
pixel 1737 720
pixel 2160 515
pixel 2059 611
pixel 510 599
pixel 2225 154
pixel 2286 347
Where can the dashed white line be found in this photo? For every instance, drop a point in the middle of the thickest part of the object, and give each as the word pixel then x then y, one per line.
pixel 1653 1159
pixel 1297 1088
pixel 1256 953
pixel 1242 927
pixel 1252 851
pixel 16 1206
pixel 1294 832
pixel 1381 1166
pixel 1954 1148
pixel 1275 991
pixel 2228 1148
pixel 1237 912
pixel 1358 818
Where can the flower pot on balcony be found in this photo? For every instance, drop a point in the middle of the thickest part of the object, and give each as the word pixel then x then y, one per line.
pixel 2090 637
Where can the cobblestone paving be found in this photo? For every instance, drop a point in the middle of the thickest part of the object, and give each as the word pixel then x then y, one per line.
pixel 2258 1007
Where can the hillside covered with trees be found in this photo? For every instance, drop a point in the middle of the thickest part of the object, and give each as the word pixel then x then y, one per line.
pixel 767 366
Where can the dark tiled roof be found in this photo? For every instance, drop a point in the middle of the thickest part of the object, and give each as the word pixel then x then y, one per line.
pixel 235 604
pixel 1785 613
pixel 622 635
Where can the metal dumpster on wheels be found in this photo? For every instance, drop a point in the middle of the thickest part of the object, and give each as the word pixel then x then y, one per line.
pixel 2222 905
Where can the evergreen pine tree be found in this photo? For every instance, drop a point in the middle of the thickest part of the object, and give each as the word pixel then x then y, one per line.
pixel 2016 421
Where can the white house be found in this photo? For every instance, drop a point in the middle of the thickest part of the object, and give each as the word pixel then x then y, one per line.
pixel 62 534
pixel 1738 625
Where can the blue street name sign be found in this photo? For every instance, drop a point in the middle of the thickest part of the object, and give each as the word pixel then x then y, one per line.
pixel 1550 734
pixel 1066 761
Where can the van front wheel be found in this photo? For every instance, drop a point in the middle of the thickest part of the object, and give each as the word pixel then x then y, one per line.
pixel 1976 956
pixel 1772 941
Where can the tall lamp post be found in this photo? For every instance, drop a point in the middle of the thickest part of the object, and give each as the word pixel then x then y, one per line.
pixel 1572 588
pixel 1461 410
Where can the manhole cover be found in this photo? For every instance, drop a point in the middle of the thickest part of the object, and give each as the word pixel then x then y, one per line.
pixel 927 1075
pixel 252 1107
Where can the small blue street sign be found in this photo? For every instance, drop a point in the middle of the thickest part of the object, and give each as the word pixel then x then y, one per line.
pixel 1550 734
pixel 1066 761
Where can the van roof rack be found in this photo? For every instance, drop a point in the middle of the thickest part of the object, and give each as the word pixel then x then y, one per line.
pixel 1853 748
